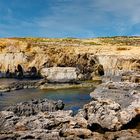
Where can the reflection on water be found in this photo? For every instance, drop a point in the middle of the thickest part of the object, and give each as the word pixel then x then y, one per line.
pixel 73 98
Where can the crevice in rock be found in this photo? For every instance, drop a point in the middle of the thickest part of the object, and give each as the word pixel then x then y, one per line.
pixel 134 123
pixel 28 137
pixel 101 70
pixel 97 128
pixel 86 112
pixel 82 136
pixel 115 138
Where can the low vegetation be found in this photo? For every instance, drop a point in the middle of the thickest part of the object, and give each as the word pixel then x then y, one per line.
pixel 129 41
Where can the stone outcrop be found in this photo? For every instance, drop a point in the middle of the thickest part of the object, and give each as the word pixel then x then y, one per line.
pixel 58 125
pixel 23 84
pixel 114 105
pixel 131 77
pixel 43 125
pixel 116 65
pixel 35 106
pixel 112 114
pixel 114 110
pixel 57 86
pixel 86 55
pixel 42 84
pixel 60 74
pixel 90 60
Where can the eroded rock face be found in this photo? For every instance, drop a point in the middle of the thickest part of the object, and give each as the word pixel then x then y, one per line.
pixel 81 53
pixel 131 77
pixel 115 65
pixel 58 125
pixel 60 74
pixel 33 53
pixel 47 125
pixel 44 119
pixel 35 106
pixel 113 106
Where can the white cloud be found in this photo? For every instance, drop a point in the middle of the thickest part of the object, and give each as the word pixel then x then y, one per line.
pixel 80 17
pixel 121 8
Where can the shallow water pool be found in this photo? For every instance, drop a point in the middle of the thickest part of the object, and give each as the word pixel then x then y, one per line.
pixel 74 99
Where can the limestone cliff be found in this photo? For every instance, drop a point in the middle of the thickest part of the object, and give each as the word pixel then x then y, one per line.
pixel 115 54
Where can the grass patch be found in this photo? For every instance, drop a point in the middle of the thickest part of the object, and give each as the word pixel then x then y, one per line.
pixel 92 43
pixel 121 41
pixel 122 48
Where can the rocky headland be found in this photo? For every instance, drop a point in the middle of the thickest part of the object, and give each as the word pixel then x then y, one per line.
pixel 113 113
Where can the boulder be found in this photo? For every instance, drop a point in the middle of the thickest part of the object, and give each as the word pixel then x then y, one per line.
pixel 60 74
pixel 114 105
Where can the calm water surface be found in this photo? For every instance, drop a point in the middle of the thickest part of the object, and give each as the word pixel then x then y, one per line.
pixel 74 99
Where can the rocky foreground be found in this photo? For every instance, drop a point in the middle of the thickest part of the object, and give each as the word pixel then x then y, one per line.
pixel 114 113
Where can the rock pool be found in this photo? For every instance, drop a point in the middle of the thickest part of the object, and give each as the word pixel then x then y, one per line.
pixel 74 99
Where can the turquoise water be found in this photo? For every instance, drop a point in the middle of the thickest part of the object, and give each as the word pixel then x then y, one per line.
pixel 74 99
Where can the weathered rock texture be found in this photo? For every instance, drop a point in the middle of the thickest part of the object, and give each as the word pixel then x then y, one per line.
pixel 58 125
pixel 114 105
pixel 114 54
pixel 60 74
pixel 17 84
pixel 35 106
pixel 115 65
pixel 131 77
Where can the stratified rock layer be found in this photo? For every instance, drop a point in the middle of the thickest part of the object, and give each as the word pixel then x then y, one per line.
pixel 60 74
pixel 88 55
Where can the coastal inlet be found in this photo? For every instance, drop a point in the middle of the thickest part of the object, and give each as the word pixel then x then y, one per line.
pixel 73 99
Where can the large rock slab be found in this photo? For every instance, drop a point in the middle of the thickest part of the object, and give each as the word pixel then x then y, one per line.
pixel 115 65
pixel 12 85
pixel 51 86
pixel 60 74
pixel 114 105
pixel 120 92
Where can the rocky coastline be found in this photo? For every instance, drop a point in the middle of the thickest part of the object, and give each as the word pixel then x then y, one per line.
pixel 113 113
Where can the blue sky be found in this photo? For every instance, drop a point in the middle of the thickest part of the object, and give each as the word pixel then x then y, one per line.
pixel 69 18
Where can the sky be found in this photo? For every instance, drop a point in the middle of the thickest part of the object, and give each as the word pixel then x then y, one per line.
pixel 69 18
